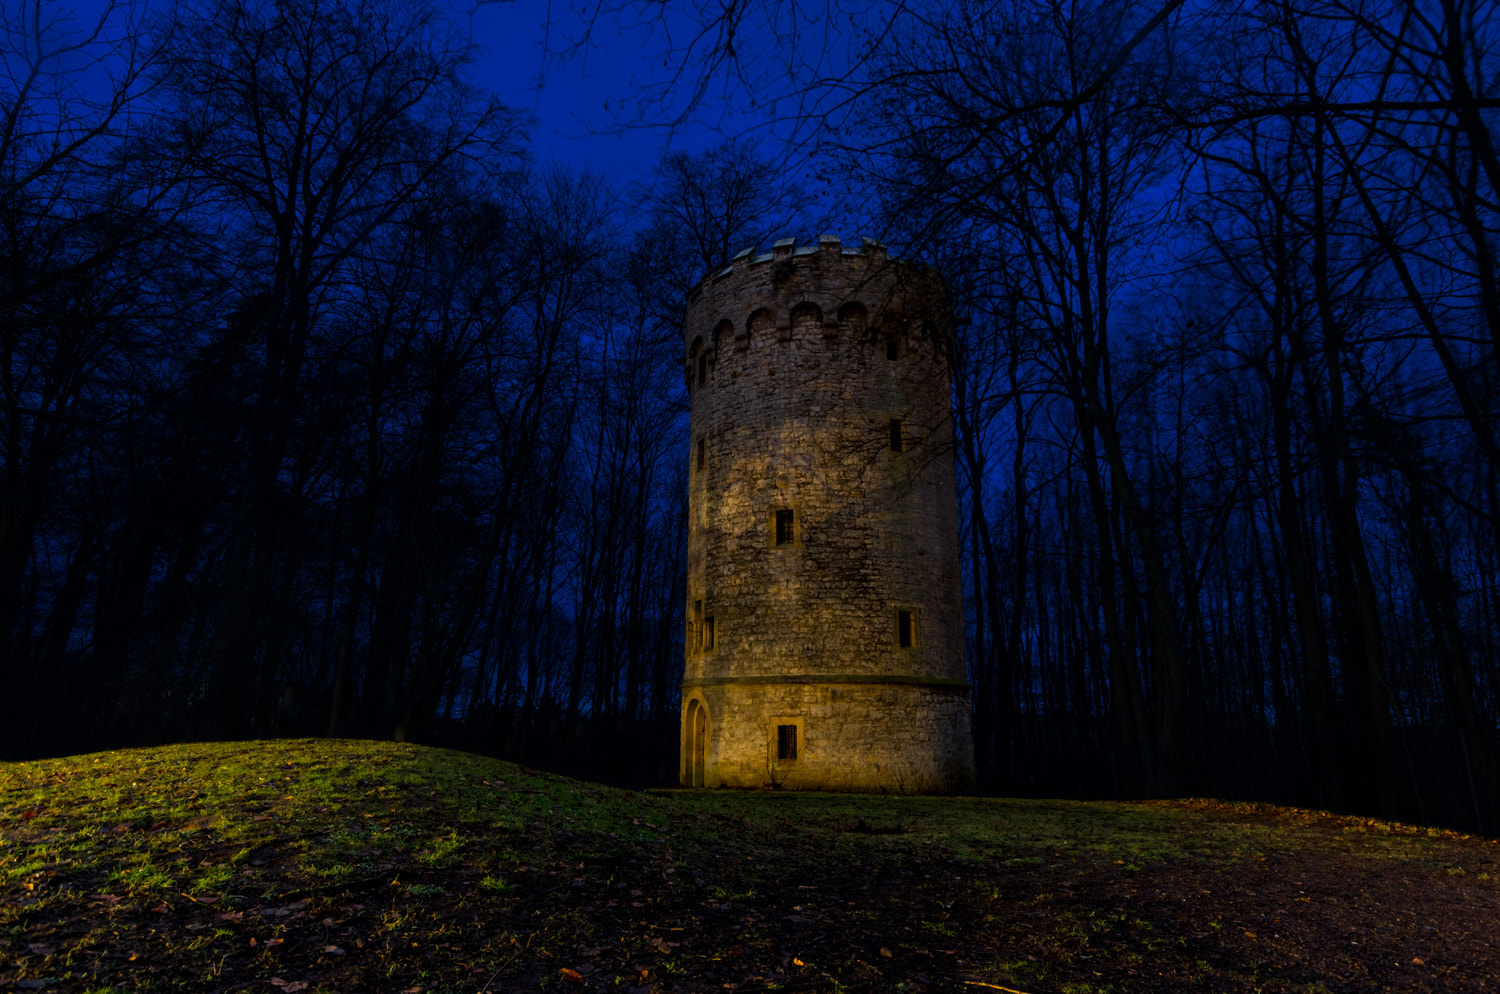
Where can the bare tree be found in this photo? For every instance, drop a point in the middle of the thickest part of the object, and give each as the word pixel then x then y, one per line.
pixel 1045 173
pixel 85 266
pixel 306 126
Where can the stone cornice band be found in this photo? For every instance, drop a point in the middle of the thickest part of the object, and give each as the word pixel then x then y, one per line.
pixel 902 679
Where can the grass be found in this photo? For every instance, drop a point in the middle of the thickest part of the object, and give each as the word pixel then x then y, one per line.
pixel 338 865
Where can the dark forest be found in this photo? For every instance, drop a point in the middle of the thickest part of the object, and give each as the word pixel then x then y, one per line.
pixel 325 411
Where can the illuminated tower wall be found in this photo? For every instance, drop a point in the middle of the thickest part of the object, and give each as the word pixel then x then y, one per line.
pixel 825 624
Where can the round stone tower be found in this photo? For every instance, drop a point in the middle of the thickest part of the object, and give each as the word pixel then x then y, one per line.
pixel 825 622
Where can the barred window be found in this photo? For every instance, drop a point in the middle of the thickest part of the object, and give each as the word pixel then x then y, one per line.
pixel 786 527
pixel 786 743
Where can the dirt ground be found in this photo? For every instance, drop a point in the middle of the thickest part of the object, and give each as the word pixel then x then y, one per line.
pixel 392 869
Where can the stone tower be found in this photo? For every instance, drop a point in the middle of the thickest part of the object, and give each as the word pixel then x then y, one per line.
pixel 825 622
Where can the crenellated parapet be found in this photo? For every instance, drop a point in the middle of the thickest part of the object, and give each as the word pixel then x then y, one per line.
pixel 825 289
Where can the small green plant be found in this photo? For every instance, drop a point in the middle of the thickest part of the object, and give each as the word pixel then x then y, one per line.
pixel 496 885
pixel 442 851
pixel 214 878
pixel 144 878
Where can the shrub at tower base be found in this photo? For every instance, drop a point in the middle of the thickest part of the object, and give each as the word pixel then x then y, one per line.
pixel 825 621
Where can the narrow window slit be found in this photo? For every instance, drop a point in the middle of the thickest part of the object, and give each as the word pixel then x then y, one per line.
pixel 906 629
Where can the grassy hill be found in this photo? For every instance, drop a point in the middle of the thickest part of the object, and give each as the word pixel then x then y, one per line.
pixel 364 866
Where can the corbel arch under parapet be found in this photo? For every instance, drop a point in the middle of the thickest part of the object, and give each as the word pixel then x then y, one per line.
pixel 888 331
pixel 697 363
pixel 722 334
pixel 760 325
pixel 719 340
pixel 806 320
pixel 854 321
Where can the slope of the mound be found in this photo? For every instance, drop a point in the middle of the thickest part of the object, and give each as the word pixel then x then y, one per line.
pixel 362 866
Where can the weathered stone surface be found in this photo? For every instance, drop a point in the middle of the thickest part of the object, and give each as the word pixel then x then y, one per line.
pixel 798 363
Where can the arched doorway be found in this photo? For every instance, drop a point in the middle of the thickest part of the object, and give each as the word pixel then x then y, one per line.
pixel 696 743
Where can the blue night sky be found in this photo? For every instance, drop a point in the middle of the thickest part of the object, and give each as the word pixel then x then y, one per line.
pixel 582 87
pixel 573 96
pixel 584 90
pixel 606 91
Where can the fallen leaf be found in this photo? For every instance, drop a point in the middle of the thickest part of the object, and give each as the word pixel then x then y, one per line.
pixel 885 952
pixel 797 962
pixel 274 942
pixel 572 976
pixel 333 950
pixel 160 909
pixel 1416 961
pixel 41 948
